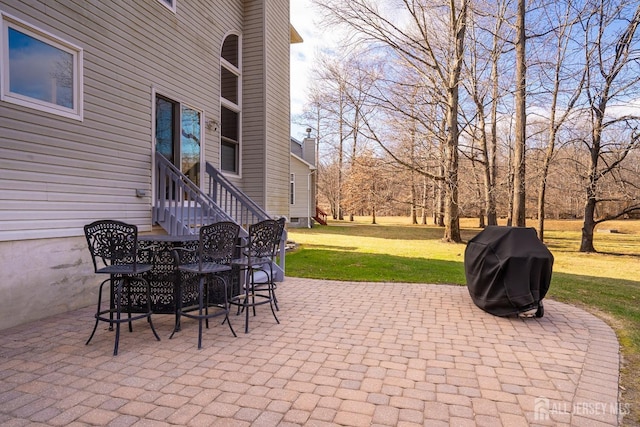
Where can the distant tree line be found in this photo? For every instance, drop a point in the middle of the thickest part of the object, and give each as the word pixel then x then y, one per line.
pixel 517 109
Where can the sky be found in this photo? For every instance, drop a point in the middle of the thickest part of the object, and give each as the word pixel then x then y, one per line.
pixel 304 20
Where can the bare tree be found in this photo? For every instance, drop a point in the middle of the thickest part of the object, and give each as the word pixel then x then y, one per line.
pixel 371 185
pixel 330 75
pixel 424 110
pixel 320 112
pixel 564 86
pixel 489 32
pixel 612 75
pixel 434 47
pixel 519 174
pixel 327 186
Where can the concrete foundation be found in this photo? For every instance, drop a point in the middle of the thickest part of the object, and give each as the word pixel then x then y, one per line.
pixel 44 277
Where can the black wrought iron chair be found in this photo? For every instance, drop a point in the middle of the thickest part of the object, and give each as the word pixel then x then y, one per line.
pixel 281 222
pixel 114 251
pixel 265 278
pixel 258 257
pixel 211 264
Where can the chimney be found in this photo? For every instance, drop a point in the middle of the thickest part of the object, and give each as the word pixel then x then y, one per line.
pixel 309 148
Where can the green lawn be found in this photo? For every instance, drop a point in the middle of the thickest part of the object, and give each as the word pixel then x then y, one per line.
pixel 606 283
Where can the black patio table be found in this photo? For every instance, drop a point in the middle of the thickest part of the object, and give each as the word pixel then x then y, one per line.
pixel 170 288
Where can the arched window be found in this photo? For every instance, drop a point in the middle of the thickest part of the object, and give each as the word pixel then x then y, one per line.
pixel 230 102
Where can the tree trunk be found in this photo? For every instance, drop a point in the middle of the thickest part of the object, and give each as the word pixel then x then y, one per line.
pixel 424 200
pixel 510 190
pixel 414 200
pixel 589 223
pixel 451 213
pixel 492 149
pixel 519 176
pixel 543 181
pixel 588 226
pixel 541 212
pixel 340 152
pixel 438 216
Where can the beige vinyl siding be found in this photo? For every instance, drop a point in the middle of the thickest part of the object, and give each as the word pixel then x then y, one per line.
pixel 253 109
pixel 57 174
pixel 300 209
pixel 266 118
pixel 278 106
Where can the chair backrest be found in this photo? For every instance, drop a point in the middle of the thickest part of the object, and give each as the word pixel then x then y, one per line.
pixel 263 238
pixel 111 242
pixel 218 242
pixel 281 223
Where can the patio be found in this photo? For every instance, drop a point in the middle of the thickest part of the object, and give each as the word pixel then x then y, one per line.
pixel 352 354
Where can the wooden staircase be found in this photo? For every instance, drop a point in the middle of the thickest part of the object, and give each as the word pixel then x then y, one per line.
pixel 321 216
pixel 181 207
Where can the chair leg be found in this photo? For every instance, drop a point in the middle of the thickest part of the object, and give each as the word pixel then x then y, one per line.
pixel 95 326
pixel 275 299
pixel 245 305
pixel 272 302
pixel 253 293
pixel 246 320
pixel 206 304
pixel 227 307
pixel 119 289
pixel 118 295
pixel 150 311
pixel 112 298
pixel 176 326
pixel 128 290
pixel 200 302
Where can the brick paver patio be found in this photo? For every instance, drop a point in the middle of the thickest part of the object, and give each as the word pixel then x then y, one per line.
pixel 356 354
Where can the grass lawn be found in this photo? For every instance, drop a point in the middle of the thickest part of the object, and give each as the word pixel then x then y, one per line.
pixel 606 283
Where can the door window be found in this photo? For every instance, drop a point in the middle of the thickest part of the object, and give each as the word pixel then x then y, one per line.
pixel 179 135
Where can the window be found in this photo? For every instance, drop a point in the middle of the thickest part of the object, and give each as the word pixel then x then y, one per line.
pixel 39 70
pixel 230 101
pixel 230 135
pixel 179 135
pixel 292 189
pixel 170 4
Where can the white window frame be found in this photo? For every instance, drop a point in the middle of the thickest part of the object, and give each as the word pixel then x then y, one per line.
pixel 237 108
pixel 292 187
pixel 8 21
pixel 231 106
pixel 171 7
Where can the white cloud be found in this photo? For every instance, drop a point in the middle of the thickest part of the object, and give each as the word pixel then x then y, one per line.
pixel 302 55
pixel 306 20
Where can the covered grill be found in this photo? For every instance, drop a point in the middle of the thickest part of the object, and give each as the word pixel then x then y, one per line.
pixel 508 271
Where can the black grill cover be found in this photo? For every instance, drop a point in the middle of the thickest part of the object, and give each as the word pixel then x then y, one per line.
pixel 508 270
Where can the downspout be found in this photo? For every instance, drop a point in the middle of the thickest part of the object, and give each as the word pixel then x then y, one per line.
pixel 310 202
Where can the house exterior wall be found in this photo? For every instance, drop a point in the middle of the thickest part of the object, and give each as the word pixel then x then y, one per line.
pixel 57 173
pixel 304 171
pixel 301 212
pixel 265 170
pixel 278 107
pixel 253 99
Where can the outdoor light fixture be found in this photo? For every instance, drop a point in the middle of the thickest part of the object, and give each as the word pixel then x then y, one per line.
pixel 212 124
